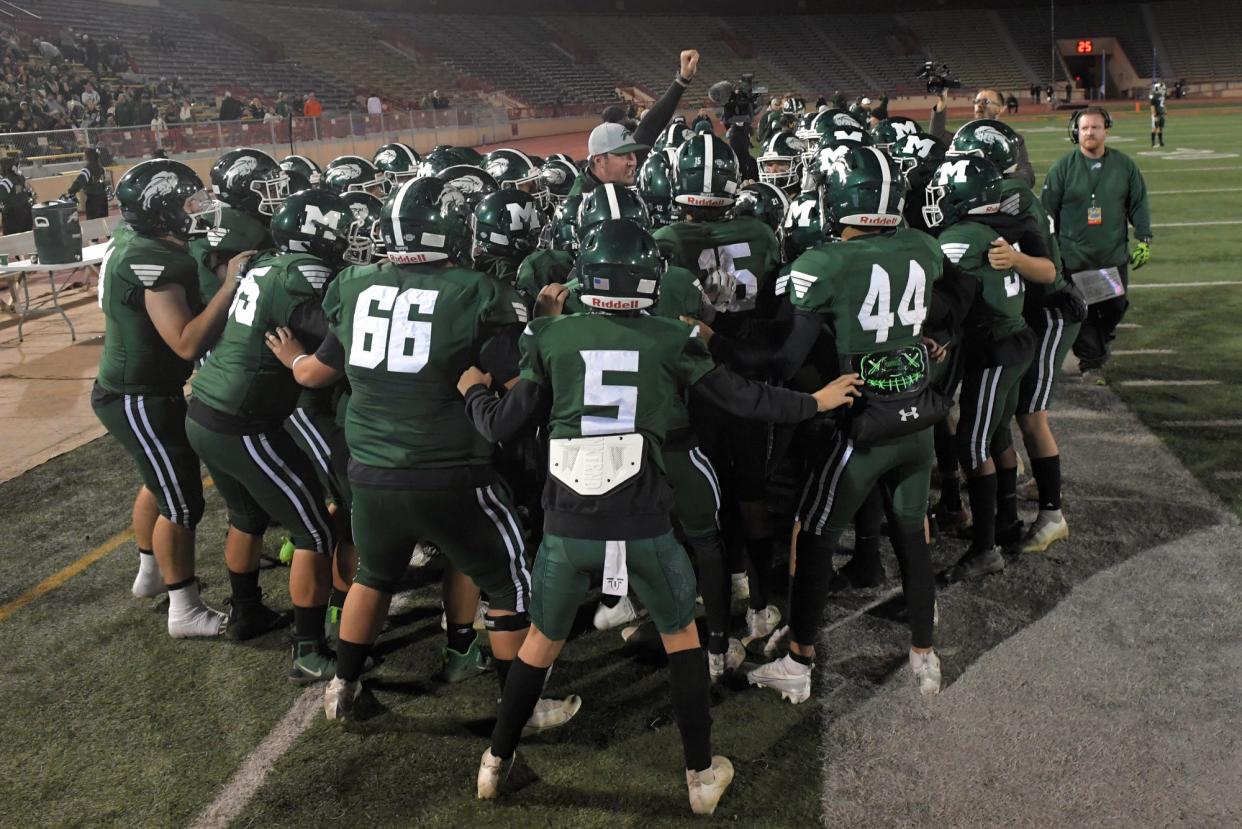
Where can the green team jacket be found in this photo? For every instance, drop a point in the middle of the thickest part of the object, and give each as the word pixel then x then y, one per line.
pixel 1114 185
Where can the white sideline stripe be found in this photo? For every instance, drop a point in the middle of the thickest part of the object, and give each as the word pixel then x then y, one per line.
pixel 1184 284
pixel 1143 383
pixel 1204 424
pixel 1228 475
pixel 1204 190
pixel 1135 352
pixel 1129 325
pixel 1199 224
pixel 246 781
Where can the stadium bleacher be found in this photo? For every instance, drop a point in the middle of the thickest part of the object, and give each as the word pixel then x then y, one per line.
pixel 1201 38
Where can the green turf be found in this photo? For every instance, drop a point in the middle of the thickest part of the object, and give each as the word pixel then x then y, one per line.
pixel 110 723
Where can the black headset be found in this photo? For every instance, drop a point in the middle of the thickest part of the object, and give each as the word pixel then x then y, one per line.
pixel 1073 124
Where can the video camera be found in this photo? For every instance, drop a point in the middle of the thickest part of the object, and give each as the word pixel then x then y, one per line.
pixel 740 99
pixel 938 77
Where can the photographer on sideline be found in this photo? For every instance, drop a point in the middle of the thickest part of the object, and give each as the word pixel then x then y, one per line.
pixel 612 149
pixel 988 104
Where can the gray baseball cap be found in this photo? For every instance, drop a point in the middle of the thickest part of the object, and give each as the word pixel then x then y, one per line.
pixel 614 139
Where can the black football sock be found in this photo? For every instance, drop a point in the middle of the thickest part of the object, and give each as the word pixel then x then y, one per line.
pixel 502 667
pixel 308 622
pixel 982 489
pixel 867 522
pixel 714 588
pixel 918 582
pixel 1153 139
pixel 759 554
pixel 809 592
pixel 1047 472
pixel 688 686
pixel 351 658
pixel 1006 496
pixel 946 462
pixel 336 599
pixel 523 687
pixel 245 586
pixel 609 600
pixel 461 637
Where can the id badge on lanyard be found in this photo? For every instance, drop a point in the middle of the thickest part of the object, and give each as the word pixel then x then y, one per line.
pixel 1095 215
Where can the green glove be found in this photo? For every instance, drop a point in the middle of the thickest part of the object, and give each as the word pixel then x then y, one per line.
pixel 1140 255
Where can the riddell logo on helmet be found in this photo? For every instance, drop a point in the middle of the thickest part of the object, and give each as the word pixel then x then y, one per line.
pixel 705 201
pixel 606 304
pixel 876 219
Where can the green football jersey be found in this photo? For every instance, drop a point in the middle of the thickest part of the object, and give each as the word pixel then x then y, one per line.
pixel 613 374
pixel 875 289
pixel 241 376
pixel 997 310
pixel 408 332
pixel 135 359
pixel 745 246
pixel 1020 200
pixel 545 267
pixel 235 232
pixel 680 295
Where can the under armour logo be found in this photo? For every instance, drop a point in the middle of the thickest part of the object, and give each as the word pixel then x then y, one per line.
pixel 614 583
pixel 911 413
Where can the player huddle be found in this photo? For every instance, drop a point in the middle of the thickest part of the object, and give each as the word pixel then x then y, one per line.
pixel 450 354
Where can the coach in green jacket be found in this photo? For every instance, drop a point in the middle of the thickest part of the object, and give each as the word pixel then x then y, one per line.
pixel 1093 195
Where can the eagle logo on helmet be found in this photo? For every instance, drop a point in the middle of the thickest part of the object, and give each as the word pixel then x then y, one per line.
pixel 344 172
pixel 466 184
pixel 451 199
pixel 554 175
pixel 161 184
pixel 497 167
pixel 386 157
pixel 359 210
pixel 843 119
pixel 242 167
pixel 991 135
pixel 796 144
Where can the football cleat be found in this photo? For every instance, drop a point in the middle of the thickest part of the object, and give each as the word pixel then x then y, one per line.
pixel 952 520
pixel 339 697
pixel 926 669
pixel 424 552
pixel 1028 490
pixel 730 660
pixel 706 787
pixel 550 713
pixel 858 575
pixel 791 679
pixel 761 623
pixel 458 667
pixel 623 612
pixel 311 662
pixel 198 622
pixel 741 587
pixel 251 618
pixel 1009 536
pixel 492 774
pixel 974 564
pixel 1049 527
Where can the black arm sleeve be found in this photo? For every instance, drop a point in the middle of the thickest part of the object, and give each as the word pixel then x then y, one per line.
pixel 659 115
pixel 781 363
pixel 952 296
pixel 500 356
pixel 755 401
pixel 78 183
pixel 1031 242
pixel 1025 172
pixel 331 353
pixel 309 324
pixel 500 417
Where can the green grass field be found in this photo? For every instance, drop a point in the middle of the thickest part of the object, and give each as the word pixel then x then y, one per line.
pixel 110 723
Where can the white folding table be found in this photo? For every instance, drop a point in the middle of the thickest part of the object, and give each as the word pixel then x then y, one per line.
pixel 19 271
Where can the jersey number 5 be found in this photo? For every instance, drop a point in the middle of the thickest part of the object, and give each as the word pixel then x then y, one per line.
pixel 595 392
pixel 406 343
pixel 912 309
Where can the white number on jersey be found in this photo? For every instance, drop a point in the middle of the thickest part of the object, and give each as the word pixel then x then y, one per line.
pixel 719 272
pixel 404 341
pixel 595 392
pixel 912 309
pixel 1013 284
pixel 246 299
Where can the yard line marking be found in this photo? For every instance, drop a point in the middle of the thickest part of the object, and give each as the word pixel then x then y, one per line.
pixel 1205 424
pixel 70 570
pixel 1228 475
pixel 1128 325
pixel 1183 284
pixel 1147 383
pixel 1204 190
pixel 1199 224
pixel 1135 352
pixel 247 780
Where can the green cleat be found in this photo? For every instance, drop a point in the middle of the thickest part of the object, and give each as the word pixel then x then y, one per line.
pixel 332 625
pixel 286 551
pixel 312 662
pixel 458 667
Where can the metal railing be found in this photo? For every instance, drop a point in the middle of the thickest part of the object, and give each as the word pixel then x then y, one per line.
pixel 274 135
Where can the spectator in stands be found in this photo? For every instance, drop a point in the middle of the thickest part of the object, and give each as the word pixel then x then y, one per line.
pixel 769 119
pixel 91 50
pixel 159 129
pixel 255 109
pixel 1011 104
pixel 145 112
pixel 438 101
pixel 283 110
pixel 123 110
pixel 48 50
pixel 838 100
pixel 230 107
pixel 312 108
pixel 612 150
pixel 988 104
pixel 89 94
pixel 374 105
pixel 186 114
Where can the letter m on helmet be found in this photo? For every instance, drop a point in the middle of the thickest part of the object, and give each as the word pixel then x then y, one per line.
pixel 954 171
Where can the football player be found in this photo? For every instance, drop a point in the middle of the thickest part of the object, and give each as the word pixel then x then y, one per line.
pixel 303 173
pixel 156 325
pixel 471 181
pixel 782 160
pixel 396 163
pixel 610 377
pixel 655 187
pixel 350 173
pixel 1158 94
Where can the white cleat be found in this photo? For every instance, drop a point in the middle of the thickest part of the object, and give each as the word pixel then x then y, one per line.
pixel 622 613
pixel 551 713
pixel 740 587
pixel 148 583
pixel 791 679
pixel 926 668
pixel 492 773
pixel 1050 526
pixel 339 697
pixel 706 787
pixel 730 660
pixel 424 552
pixel 761 623
pixel 480 623
pixel 197 622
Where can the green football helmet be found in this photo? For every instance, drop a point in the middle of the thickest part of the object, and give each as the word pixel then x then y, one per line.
pixel 249 180
pixel 919 150
pixel 705 174
pixel 611 201
pixel 558 179
pixel 893 130
pixel 764 201
pixel 794 106
pixel 353 174
pixel 988 138
pixel 302 172
pixel 467 155
pixel 801 229
pixel 361 234
pixel 674 135
pixel 505 225
pixel 562 232
pixel 440 158
pixel 782 161
pixel 864 189
pixel 563 157
pixel 472 182
pixel 962 186
pixel 426 220
pixel 619 267
pixel 837 124
pixel 162 197
pixel 396 162
pixel 512 169
pixel 655 187
pixel 315 222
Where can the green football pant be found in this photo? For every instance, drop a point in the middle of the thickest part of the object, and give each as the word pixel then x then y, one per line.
pixel 1056 336
pixel 835 491
pixel 318 435
pixel 988 402
pixel 658 568
pixel 476 528
pixel 264 477
pixel 696 491
pixel 151 427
